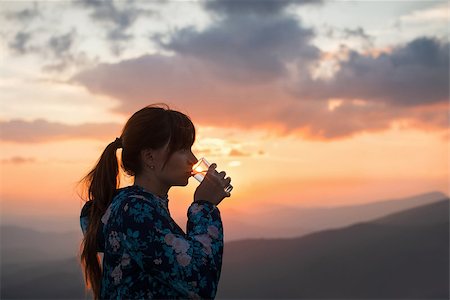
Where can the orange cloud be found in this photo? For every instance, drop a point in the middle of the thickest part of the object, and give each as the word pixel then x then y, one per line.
pixel 368 104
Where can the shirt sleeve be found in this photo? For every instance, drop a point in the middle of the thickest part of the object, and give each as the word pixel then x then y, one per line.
pixel 84 216
pixel 190 263
pixel 84 224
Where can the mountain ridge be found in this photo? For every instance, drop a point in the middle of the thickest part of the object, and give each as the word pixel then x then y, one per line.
pixel 400 255
pixel 360 261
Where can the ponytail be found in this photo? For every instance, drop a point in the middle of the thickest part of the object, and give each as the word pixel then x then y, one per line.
pixel 100 184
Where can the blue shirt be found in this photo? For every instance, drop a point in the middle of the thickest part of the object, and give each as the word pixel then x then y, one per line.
pixel 147 255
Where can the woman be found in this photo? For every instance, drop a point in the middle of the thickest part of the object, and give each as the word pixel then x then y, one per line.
pixel 146 254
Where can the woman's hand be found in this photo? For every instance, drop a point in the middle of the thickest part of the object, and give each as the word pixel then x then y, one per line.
pixel 212 188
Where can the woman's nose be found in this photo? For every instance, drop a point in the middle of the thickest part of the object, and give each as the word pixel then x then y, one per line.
pixel 192 159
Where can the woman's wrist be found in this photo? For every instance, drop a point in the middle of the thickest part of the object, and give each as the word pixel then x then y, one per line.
pixel 200 202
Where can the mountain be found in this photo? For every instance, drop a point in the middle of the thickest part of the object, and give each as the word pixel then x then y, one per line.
pixel 18 244
pixel 401 255
pixel 404 255
pixel 289 222
pixel 58 279
pixel 434 213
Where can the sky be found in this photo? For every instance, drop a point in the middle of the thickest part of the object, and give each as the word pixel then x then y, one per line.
pixel 302 103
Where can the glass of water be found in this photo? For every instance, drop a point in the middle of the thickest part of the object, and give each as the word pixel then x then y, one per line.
pixel 199 171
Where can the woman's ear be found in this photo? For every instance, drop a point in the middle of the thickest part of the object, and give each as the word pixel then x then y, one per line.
pixel 147 156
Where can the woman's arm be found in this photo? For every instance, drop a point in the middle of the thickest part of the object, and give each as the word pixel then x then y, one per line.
pixel 191 262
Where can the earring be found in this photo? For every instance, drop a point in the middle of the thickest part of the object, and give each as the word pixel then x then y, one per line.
pixel 151 167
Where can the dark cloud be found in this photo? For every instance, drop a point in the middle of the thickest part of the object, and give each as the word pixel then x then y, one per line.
pixel 247 48
pixel 186 82
pixel 21 43
pixel 62 51
pixel 259 7
pixel 56 46
pixel 108 12
pixel 118 17
pixel 57 52
pixel 244 46
pixel 358 32
pixel 346 34
pixel 20 131
pixel 61 44
pixel 413 74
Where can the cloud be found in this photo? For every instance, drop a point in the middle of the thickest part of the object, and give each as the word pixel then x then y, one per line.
pixel 261 7
pixel 413 74
pixel 56 52
pixel 22 40
pixel 62 43
pixel 359 33
pixel 57 46
pixel 37 131
pixel 118 17
pixel 187 83
pixel 107 12
pixel 247 48
pixel 237 72
pixel 18 160
pixel 63 53
pixel 21 43
pixel 24 15
pixel 252 42
pixel 347 36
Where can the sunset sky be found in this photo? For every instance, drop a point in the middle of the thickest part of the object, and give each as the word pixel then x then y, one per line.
pixel 302 103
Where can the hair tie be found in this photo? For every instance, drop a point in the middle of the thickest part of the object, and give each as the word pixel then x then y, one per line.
pixel 118 143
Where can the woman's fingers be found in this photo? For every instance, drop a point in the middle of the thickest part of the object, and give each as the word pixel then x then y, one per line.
pixel 212 167
pixel 218 178
pixel 227 181
pixel 213 187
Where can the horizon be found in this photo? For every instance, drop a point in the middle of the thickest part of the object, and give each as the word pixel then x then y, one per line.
pixel 42 224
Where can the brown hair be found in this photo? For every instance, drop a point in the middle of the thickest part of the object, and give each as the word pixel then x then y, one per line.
pixel 149 128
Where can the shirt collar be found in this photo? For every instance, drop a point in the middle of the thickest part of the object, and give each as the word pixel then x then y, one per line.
pixel 164 200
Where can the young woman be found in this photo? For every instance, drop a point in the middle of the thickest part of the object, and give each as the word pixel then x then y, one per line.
pixel 146 255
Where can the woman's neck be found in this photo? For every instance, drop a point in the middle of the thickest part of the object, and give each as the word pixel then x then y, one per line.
pixel 152 185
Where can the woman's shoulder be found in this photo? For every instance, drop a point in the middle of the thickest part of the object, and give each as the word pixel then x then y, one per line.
pixel 135 195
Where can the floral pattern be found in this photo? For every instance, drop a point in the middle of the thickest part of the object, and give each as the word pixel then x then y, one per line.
pixel 147 255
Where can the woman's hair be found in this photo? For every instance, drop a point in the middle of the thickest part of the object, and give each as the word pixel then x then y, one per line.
pixel 149 128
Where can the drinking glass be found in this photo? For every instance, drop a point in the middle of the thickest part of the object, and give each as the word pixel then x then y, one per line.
pixel 199 171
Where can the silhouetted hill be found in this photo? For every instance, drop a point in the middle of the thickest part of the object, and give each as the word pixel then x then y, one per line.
pixel 289 222
pixel 379 259
pixel 434 213
pixel 24 245
pixel 58 279
pixel 402 255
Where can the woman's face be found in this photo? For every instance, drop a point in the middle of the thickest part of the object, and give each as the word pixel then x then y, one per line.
pixel 177 169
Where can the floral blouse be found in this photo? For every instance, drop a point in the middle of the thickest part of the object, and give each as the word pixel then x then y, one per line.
pixel 147 255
